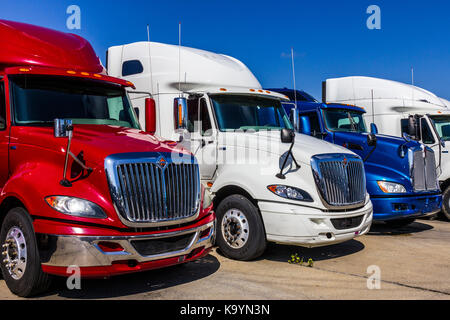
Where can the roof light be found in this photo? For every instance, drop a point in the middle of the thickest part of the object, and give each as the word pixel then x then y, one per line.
pixel 24 69
pixel 252 90
pixel 130 83
pixel 84 73
pixel 97 75
pixel 223 89
pixel 71 72
pixel 260 90
pixel 268 92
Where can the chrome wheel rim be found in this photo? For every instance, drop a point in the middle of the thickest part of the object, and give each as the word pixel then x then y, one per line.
pixel 14 253
pixel 235 228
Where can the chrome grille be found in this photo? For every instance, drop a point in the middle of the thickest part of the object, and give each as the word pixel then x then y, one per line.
pixel 151 188
pixel 340 179
pixel 424 173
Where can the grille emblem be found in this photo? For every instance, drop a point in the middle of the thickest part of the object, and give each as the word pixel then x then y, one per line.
pixel 345 162
pixel 162 162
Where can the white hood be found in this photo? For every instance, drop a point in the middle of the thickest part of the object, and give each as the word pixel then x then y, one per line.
pixel 269 141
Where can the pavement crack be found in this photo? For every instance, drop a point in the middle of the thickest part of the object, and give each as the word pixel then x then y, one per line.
pixel 387 281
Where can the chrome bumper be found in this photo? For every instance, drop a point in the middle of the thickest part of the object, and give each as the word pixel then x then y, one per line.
pixel 83 251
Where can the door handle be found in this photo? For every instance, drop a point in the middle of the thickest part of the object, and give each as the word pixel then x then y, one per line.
pixel 204 142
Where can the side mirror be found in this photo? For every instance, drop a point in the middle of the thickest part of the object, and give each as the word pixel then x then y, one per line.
pixel 294 118
pixel 306 125
pixel 287 136
pixel 373 128
pixel 180 113
pixel 371 140
pixel 150 115
pixel 62 128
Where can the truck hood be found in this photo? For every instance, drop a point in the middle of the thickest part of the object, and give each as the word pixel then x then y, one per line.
pixel 269 141
pixel 95 141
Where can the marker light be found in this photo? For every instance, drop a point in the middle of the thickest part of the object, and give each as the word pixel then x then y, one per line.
pixel 290 193
pixel 391 187
pixel 75 207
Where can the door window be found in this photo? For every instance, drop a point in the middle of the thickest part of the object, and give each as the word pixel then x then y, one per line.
pixel 204 118
pixel 427 135
pixel 2 106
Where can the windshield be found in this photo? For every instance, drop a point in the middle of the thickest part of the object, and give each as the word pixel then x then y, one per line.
pixel 442 125
pixel 247 112
pixel 344 120
pixel 38 100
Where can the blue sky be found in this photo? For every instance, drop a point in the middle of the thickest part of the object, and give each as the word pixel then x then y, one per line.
pixel 330 38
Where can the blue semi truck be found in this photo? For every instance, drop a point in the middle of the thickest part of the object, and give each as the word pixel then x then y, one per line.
pixel 400 172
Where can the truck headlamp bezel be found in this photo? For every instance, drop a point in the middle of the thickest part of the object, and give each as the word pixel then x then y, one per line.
pixel 207 197
pixel 391 187
pixel 76 207
pixel 290 193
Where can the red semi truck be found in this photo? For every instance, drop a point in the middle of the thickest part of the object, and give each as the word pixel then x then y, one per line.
pixel 81 184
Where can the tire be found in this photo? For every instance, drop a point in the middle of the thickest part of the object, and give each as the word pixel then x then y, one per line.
pixel 445 212
pixel 239 221
pixel 400 222
pixel 18 243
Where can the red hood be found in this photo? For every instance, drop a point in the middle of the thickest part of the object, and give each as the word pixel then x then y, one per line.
pixel 96 141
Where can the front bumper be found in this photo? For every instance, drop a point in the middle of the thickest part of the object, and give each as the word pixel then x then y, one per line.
pixel 85 253
pixel 311 227
pixel 391 208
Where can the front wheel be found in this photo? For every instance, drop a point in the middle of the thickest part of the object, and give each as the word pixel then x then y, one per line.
pixel 240 230
pixel 445 212
pixel 20 262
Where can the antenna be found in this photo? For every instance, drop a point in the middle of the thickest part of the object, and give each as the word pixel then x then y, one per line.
pixel 179 57
pixel 293 76
pixel 373 113
pixel 150 59
pixel 412 88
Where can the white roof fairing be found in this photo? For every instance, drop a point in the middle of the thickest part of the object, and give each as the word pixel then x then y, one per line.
pixel 198 69
pixel 401 96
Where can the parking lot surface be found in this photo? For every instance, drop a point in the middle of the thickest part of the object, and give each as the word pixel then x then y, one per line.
pixel 413 262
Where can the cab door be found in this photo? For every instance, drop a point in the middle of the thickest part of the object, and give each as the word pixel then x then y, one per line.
pixel 4 137
pixel 203 138
pixel 431 139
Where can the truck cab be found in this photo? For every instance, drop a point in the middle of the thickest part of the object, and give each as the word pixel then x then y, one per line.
pixel 268 183
pixel 399 191
pixel 83 187
pixel 398 109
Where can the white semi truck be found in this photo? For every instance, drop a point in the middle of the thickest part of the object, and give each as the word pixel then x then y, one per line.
pixel 397 108
pixel 268 184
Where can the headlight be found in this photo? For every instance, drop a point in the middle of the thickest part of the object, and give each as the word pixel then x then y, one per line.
pixel 391 187
pixel 290 193
pixel 75 207
pixel 207 198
